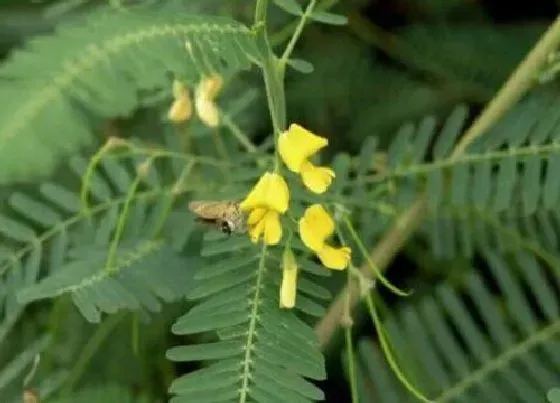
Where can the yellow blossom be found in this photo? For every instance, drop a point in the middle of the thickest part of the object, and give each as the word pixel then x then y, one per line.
pixel 181 109
pixel 265 202
pixel 288 288
pixel 314 228
pixel 296 145
pixel 206 91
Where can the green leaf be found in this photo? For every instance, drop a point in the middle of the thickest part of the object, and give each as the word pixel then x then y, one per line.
pixel 16 230
pixel 290 6
pixel 190 324
pixel 553 395
pixel 130 283
pixel 196 380
pixel 60 196
pixel 329 18
pixel 301 65
pixel 205 351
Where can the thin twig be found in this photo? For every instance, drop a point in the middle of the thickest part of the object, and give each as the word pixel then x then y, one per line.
pixel 517 85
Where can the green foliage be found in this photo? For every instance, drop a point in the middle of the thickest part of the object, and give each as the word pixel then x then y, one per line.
pixel 106 65
pixel 491 337
pixel 262 353
pixel 78 259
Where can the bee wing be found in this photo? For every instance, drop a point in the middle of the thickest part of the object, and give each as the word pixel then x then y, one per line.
pixel 208 209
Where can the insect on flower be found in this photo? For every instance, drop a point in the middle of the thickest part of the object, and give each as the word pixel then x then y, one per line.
pixel 224 215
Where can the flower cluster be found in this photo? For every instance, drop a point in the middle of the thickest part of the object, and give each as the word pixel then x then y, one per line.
pixel 205 92
pixel 270 198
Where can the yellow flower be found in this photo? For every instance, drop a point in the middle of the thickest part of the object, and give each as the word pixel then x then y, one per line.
pixel 288 288
pixel 206 91
pixel 296 145
pixel 181 109
pixel 266 201
pixel 314 228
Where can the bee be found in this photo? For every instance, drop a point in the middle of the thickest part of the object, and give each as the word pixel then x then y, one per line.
pixel 224 215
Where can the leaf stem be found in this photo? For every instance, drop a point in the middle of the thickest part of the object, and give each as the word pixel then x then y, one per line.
pixel 375 270
pixel 111 254
pixel 351 362
pixel 285 33
pixel 251 333
pixel 297 33
pixel 383 340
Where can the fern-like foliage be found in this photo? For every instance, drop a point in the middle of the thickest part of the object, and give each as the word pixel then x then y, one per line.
pixel 485 337
pixel 107 257
pixel 106 65
pixel 262 353
pixel 506 175
pixel 492 338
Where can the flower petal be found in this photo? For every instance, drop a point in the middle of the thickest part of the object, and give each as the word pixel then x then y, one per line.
pixel 270 192
pixel 315 227
pixel 335 258
pixel 180 111
pixel 255 216
pixel 209 87
pixel 207 111
pixel 272 228
pixel 297 144
pixel 288 288
pixel 317 179
pixel 206 90
pixel 255 231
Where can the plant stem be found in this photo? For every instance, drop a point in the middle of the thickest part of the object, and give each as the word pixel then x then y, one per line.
pixel 297 33
pixel 273 77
